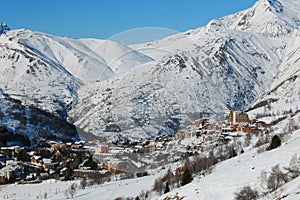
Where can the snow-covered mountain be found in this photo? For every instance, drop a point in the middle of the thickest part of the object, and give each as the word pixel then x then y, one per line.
pixel 157 87
pixel 226 64
pixel 47 70
pixel 267 17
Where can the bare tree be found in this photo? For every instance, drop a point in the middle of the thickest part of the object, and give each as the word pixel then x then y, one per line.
pixel 248 139
pixel 83 182
pixel 276 179
pixel 158 185
pixel 263 181
pixel 293 170
pixel 169 177
pixel 72 189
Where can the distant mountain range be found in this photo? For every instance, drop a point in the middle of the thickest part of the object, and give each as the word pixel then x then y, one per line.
pixel 115 91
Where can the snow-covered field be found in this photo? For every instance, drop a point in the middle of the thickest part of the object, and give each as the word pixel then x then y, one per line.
pixel 56 190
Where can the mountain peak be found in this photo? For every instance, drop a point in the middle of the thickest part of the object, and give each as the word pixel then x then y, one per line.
pixel 3 28
pixel 266 17
pixel 273 5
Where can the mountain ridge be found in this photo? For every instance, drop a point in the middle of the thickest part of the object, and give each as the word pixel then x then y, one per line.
pixel 157 87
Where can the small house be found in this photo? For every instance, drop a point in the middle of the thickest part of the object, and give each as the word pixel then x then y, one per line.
pixel 36 160
pixel 8 172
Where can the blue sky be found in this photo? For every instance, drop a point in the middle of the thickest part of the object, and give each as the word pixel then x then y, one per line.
pixel 105 18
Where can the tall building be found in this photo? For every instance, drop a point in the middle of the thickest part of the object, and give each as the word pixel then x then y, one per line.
pixel 236 117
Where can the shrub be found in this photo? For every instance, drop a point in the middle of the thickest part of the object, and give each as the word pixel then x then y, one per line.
pixel 167 189
pixel 186 177
pixel 246 193
pixel 276 142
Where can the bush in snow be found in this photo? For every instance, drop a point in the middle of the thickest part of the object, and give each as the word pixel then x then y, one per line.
pixel 246 193
pixel 187 173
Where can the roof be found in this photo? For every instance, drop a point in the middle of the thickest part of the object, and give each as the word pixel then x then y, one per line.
pixel 36 157
pixel 47 161
pixel 8 168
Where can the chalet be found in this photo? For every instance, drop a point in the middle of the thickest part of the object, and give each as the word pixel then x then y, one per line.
pixel 247 128
pixel 101 149
pixel 83 173
pixel 36 160
pixel 209 126
pixel 260 124
pixel 58 146
pixel 78 145
pixel 10 151
pixel 179 135
pixel 12 163
pixel 201 123
pixel 112 166
pixel 8 172
pixel 48 164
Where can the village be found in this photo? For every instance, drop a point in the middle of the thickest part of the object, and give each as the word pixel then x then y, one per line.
pixel 120 160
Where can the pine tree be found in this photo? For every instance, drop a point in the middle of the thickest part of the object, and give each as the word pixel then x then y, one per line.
pixel 276 142
pixel 167 189
pixel 186 177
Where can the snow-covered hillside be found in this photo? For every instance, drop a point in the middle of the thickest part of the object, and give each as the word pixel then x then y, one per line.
pixel 231 175
pixel 29 126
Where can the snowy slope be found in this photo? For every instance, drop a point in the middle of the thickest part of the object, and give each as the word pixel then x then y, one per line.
pixel 27 76
pixel 284 93
pixel 31 124
pixel 231 175
pixel 86 59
